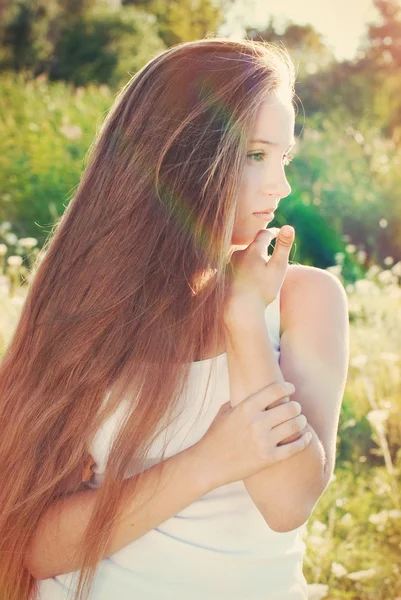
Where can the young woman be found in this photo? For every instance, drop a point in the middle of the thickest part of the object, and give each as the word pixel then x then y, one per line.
pixel 151 446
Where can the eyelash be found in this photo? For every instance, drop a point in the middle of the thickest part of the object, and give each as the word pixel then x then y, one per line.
pixel 288 157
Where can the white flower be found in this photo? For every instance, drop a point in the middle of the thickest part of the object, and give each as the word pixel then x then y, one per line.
pixel 350 248
pixel 396 269
pixel 388 260
pixel 14 261
pixel 364 286
pixel 359 361
pixel 318 527
pixel 10 238
pixel 3 249
pixel 71 132
pixel 379 518
pixel 349 288
pixel 28 242
pixel 317 591
pixel 315 540
pixel 357 575
pixel 361 256
pixel 335 269
pixel 338 570
pixel 391 356
pixel 346 519
pixel 377 417
pixel 394 513
pixel 386 277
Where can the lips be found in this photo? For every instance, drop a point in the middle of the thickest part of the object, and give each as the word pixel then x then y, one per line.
pixel 269 211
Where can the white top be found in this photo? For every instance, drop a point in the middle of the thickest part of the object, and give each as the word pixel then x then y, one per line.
pixel 217 548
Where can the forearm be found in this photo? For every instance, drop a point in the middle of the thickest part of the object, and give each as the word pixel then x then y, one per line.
pixel 166 488
pixel 286 492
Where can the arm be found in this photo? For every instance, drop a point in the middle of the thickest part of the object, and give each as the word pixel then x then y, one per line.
pixel 182 479
pixel 313 356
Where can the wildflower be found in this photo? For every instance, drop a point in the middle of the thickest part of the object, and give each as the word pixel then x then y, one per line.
pixel 338 570
pixel 361 256
pixel 391 356
pixel 335 269
pixel 364 286
pixel 379 518
pixel 10 238
pixel 315 540
pixel 71 132
pixel 389 260
pixel 357 575
pixel 28 242
pixel 317 591
pixel 346 519
pixel 350 248
pixel 359 361
pixel 386 277
pixel 318 527
pixel 377 417
pixel 3 249
pixel 396 269
pixel 339 257
pixel 14 261
pixel 373 270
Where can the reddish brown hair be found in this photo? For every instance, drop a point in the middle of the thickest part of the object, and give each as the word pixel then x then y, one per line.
pixel 114 303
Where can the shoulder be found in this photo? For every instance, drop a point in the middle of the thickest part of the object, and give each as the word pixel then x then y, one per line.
pixel 304 290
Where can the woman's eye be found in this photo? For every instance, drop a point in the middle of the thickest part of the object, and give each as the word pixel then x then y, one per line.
pixel 258 157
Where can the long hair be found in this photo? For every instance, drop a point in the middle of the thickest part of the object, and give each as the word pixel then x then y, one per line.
pixel 114 308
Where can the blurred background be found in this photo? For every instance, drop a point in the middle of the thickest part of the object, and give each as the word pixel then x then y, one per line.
pixel 61 66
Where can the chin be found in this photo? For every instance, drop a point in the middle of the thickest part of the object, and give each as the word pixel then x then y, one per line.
pixel 243 240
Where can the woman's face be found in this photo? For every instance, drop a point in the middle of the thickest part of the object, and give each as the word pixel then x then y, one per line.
pixel 264 181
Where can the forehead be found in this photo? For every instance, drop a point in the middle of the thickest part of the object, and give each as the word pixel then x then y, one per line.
pixel 275 120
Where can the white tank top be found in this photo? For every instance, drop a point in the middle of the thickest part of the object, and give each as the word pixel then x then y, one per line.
pixel 219 547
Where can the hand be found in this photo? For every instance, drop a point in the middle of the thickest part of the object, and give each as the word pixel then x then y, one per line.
pixel 254 272
pixel 244 440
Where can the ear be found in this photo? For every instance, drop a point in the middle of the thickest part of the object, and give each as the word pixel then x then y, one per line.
pixel 87 469
pixel 75 482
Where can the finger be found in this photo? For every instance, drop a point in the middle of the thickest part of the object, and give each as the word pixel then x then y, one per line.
pixel 284 412
pixel 263 240
pixel 283 245
pixel 283 452
pixel 284 430
pixel 269 394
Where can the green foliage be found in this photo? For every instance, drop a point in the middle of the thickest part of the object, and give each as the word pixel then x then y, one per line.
pixel 46 130
pixel 183 20
pixel 106 47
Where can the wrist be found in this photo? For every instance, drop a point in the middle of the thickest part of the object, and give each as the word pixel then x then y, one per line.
pixel 244 310
pixel 202 468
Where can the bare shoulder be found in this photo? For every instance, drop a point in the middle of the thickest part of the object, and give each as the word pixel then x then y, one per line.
pixel 305 286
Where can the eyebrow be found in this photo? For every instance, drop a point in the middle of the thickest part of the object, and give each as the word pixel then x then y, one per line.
pixel 293 142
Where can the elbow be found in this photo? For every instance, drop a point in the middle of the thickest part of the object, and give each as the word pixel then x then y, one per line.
pixel 36 565
pixel 292 523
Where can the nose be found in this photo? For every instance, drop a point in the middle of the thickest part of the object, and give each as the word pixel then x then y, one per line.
pixel 279 188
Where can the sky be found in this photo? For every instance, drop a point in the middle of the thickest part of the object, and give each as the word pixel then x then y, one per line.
pixel 341 22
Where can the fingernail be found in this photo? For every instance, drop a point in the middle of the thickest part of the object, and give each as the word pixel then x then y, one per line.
pixel 287 231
